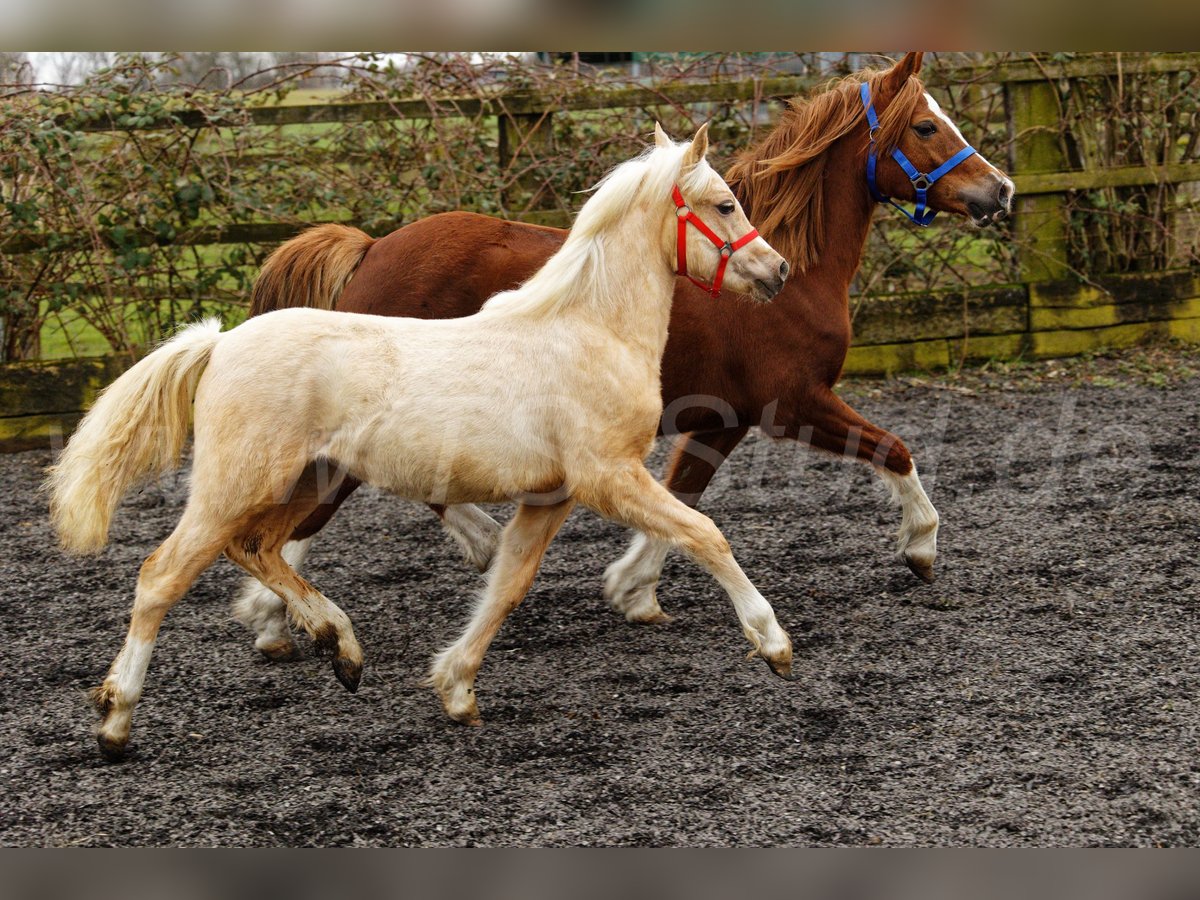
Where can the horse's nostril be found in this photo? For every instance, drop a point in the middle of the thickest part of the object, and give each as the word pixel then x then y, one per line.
pixel 783 269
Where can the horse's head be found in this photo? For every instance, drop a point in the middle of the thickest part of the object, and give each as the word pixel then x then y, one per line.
pixel 712 237
pixel 926 136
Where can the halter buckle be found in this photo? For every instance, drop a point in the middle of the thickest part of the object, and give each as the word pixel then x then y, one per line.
pixel 921 182
pixel 727 250
pixel 683 212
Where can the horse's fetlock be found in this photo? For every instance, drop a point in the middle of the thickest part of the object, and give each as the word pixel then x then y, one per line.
pixel 103 698
pixel 325 639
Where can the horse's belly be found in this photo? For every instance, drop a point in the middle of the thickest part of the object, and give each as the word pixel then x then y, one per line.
pixel 448 467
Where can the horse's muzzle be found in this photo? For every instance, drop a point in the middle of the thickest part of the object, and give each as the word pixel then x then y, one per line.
pixel 990 203
pixel 767 289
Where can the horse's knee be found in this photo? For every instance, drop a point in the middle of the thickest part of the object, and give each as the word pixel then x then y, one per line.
pixel 704 540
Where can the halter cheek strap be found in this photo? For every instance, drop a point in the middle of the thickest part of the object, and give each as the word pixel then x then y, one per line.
pixel 921 182
pixel 686 216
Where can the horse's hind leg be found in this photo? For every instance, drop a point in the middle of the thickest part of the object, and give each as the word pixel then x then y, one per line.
pixel 164 578
pixel 476 533
pixel 265 613
pixel 262 610
pixel 522 545
pixel 631 583
pixel 257 549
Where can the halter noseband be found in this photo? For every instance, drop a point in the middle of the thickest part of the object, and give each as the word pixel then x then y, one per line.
pixel 685 215
pixel 920 181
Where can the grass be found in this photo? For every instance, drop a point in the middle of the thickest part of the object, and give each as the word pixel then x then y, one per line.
pixel 68 335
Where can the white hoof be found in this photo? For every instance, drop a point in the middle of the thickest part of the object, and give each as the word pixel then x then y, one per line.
pixel 456 693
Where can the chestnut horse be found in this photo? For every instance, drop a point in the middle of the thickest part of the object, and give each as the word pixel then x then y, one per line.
pixel 727 367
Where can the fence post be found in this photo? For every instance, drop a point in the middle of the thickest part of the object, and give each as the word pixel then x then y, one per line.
pixel 1039 220
pixel 523 139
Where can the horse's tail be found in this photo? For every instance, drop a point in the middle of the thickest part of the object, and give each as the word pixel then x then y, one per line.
pixel 310 270
pixel 136 427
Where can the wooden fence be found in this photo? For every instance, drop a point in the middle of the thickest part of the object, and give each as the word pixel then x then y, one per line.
pixel 1050 312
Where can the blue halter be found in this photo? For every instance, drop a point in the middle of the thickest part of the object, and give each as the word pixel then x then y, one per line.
pixel 921 182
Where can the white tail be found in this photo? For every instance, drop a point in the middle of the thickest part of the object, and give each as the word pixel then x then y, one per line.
pixel 136 428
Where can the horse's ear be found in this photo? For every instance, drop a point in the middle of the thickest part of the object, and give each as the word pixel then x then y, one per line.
pixel 909 66
pixel 698 149
pixel 660 137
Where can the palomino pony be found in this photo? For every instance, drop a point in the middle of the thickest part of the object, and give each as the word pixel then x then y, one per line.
pixel 727 367
pixel 549 395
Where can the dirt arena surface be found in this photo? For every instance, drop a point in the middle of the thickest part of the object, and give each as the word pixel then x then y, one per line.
pixel 1042 691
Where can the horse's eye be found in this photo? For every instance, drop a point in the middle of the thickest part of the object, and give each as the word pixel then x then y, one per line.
pixel 925 129
pixel 725 208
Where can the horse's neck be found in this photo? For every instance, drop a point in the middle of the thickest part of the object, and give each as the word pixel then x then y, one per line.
pixel 638 307
pixel 847 213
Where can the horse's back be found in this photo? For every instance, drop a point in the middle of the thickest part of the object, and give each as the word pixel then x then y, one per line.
pixel 447 265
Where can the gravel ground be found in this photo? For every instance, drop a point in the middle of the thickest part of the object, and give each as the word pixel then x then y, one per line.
pixel 1042 691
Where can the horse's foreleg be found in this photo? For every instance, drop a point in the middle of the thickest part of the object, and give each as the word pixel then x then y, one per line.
pixel 632 497
pixel 475 532
pixel 631 583
pixel 164 578
pixel 522 545
pixel 837 428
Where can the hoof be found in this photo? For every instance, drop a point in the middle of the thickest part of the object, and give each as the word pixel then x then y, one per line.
pixel 110 749
pixel 657 617
pixel 349 673
pixel 279 651
pixel 638 605
pixel 469 716
pixel 924 571
pixel 782 669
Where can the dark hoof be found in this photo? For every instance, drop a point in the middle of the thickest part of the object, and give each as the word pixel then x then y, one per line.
pixel 113 751
pixel 922 571
pixel 348 673
pixel 783 670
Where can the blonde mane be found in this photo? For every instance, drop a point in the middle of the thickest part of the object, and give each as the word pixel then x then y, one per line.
pixel 780 182
pixel 577 272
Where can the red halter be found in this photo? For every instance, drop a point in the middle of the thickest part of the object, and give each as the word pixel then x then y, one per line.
pixel 726 248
